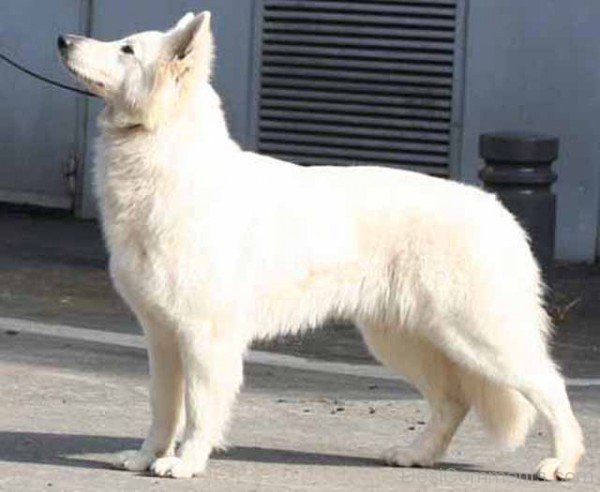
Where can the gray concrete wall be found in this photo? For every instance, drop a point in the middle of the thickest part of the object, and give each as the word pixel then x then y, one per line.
pixel 40 126
pixel 535 65
pixel 531 65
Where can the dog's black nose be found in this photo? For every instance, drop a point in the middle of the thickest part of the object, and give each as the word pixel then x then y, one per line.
pixel 62 44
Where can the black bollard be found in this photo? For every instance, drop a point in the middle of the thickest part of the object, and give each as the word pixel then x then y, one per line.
pixel 518 169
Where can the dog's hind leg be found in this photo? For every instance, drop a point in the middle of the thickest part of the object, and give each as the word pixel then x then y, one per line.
pixel 213 372
pixel 513 355
pixel 166 397
pixel 547 392
pixel 438 380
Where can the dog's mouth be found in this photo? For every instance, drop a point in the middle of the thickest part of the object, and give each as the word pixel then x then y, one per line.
pixel 82 76
pixel 85 79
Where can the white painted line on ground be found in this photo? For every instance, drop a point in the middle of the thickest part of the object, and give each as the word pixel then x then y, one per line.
pixel 63 331
pixel 254 356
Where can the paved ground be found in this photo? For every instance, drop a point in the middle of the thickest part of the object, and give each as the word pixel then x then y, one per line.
pixel 67 403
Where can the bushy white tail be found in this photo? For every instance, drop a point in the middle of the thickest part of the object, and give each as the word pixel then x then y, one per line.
pixel 506 413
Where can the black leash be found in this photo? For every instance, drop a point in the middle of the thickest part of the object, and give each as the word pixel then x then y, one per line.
pixel 45 79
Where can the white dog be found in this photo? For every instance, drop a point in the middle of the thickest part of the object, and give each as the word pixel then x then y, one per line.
pixel 212 247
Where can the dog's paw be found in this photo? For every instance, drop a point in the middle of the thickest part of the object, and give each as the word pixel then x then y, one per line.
pixel 407 457
pixel 554 469
pixel 176 467
pixel 133 460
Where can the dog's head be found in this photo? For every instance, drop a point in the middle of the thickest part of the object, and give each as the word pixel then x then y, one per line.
pixel 145 76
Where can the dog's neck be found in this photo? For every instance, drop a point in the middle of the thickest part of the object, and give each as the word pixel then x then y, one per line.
pixel 137 168
pixel 202 111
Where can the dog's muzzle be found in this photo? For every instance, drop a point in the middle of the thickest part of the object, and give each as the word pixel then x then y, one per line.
pixel 66 42
pixel 63 44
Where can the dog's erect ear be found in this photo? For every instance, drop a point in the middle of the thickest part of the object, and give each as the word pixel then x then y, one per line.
pixel 192 43
pixel 184 21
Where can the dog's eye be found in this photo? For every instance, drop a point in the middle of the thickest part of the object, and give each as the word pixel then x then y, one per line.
pixel 127 49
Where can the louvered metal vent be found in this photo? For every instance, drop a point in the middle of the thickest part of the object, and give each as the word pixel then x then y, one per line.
pixel 359 82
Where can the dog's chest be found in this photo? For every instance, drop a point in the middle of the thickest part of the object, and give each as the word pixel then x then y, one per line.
pixel 147 253
pixel 137 201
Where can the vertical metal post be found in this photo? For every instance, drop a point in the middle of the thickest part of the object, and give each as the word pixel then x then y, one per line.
pixel 518 169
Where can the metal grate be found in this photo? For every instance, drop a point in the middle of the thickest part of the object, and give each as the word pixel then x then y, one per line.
pixel 358 82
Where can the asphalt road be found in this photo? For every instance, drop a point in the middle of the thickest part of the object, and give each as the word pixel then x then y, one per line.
pixel 68 404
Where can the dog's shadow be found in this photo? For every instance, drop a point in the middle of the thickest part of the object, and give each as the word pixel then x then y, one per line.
pixel 62 450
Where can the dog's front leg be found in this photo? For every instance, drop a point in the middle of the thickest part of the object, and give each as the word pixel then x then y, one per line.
pixel 166 397
pixel 213 371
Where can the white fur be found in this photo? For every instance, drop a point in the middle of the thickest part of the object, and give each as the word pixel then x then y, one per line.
pixel 212 247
